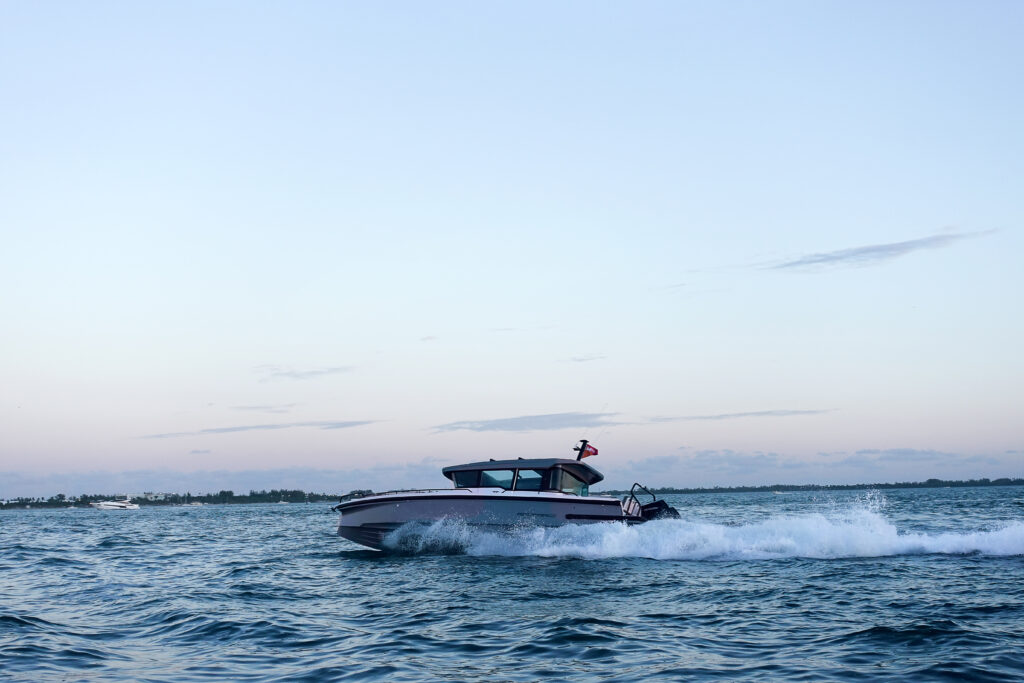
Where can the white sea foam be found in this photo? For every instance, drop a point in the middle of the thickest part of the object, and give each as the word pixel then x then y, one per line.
pixel 861 532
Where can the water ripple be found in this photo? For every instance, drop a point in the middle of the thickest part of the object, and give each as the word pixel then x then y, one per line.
pixel 913 585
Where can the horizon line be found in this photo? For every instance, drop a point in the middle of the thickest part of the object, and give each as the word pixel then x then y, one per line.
pixel 931 482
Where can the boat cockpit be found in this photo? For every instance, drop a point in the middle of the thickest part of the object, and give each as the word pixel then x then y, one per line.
pixel 540 474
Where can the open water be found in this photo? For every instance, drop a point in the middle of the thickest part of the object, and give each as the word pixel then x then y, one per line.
pixel 924 584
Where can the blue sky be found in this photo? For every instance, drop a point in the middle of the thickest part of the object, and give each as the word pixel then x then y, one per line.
pixel 731 243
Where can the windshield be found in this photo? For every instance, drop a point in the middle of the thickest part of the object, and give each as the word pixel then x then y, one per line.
pixel 568 483
pixel 521 480
pixel 530 480
pixel 465 480
pixel 501 479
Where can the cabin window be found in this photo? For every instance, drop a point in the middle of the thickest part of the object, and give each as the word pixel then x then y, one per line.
pixel 569 483
pixel 498 478
pixel 530 480
pixel 466 480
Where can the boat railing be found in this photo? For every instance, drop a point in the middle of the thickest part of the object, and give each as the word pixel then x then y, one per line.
pixel 655 509
pixel 388 493
pixel 632 501
pixel 355 495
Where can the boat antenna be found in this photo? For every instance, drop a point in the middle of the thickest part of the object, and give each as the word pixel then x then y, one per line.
pixel 581 449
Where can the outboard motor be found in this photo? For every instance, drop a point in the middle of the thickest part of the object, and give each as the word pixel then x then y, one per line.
pixel 655 509
pixel 658 509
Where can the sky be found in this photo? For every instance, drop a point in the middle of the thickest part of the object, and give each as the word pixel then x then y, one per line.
pixel 339 245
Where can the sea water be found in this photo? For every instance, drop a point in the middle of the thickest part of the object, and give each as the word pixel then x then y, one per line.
pixel 909 584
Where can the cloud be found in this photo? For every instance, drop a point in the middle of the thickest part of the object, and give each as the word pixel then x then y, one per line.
pixel 428 338
pixel 585 359
pixel 871 457
pixel 677 285
pixel 981 460
pixel 708 468
pixel 285 408
pixel 904 454
pixel 274 372
pixel 534 328
pixel 725 467
pixel 378 477
pixel 736 416
pixel 264 427
pixel 872 253
pixel 731 462
pixel 529 423
pixel 700 469
pixel 199 452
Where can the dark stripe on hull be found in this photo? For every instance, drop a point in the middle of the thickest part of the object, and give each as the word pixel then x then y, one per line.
pixel 372 536
pixel 602 518
pixel 390 500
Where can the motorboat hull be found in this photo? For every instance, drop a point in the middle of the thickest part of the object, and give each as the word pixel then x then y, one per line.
pixel 368 521
pixel 495 495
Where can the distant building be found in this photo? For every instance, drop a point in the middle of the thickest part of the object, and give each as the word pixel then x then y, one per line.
pixel 156 496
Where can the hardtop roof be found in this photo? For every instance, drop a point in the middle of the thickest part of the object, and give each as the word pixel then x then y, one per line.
pixel 582 470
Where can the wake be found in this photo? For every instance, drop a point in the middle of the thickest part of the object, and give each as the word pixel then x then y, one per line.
pixel 857 533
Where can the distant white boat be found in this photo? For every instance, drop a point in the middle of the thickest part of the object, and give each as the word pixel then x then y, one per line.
pixel 125 504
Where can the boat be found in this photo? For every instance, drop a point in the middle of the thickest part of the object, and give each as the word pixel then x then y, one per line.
pixel 125 504
pixel 496 495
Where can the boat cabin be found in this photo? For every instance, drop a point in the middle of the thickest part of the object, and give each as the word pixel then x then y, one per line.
pixel 538 474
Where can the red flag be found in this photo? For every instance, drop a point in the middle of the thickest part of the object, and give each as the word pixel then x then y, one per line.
pixel 588 451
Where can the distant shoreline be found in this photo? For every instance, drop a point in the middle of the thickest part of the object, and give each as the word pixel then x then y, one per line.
pixel 225 497
pixel 928 484
pixel 299 496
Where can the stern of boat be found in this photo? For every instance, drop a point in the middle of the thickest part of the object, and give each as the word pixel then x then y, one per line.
pixel 653 508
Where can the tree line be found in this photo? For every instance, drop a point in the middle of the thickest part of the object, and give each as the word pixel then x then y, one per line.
pixel 220 498
pixel 227 497
pixel 927 484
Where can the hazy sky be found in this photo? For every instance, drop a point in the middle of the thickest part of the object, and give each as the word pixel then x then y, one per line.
pixel 729 242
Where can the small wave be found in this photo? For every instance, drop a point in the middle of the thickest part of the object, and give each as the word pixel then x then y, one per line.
pixel 915 634
pixel 14 621
pixel 863 532
pixel 185 627
pixel 61 562
pixel 118 541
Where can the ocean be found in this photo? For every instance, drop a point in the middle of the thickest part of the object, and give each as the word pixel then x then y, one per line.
pixel 905 584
